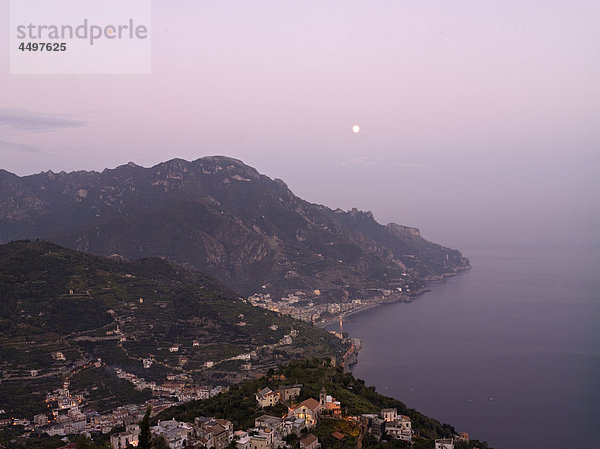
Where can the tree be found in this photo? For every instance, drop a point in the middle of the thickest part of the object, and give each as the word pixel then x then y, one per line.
pixel 84 442
pixel 144 440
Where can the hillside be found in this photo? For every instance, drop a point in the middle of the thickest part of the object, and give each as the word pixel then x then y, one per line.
pixel 55 300
pixel 239 405
pixel 222 217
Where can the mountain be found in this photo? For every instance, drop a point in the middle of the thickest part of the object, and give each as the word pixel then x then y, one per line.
pixel 224 218
pixel 55 301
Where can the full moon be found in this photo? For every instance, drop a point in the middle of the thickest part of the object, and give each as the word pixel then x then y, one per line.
pixel 356 129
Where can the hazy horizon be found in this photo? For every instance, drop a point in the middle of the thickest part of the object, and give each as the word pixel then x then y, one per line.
pixel 479 121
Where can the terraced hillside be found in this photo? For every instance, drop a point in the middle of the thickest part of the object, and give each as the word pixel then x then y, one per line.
pixel 61 310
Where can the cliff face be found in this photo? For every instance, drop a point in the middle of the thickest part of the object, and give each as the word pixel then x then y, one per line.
pixel 422 258
pixel 222 217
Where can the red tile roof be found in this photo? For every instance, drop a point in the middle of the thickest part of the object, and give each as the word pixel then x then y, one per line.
pixel 308 440
pixel 310 403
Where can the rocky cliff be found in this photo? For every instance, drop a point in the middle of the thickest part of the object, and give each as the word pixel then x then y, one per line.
pixel 222 217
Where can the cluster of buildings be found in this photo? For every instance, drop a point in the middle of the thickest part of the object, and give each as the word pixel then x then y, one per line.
pixel 67 414
pixel 311 407
pixel 306 307
pixel 205 433
pixel 176 386
pixel 309 311
pixel 74 420
pixel 387 422
pixel 448 443
pixel 268 433
pixel 267 397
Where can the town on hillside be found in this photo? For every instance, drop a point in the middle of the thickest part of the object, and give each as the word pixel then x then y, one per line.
pixel 295 428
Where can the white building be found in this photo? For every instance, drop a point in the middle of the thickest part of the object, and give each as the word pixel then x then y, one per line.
pixel 124 439
pixel 176 433
pixel 266 397
pixel 389 414
pixel 446 443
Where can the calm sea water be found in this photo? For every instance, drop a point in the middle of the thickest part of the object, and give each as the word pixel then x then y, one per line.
pixel 509 351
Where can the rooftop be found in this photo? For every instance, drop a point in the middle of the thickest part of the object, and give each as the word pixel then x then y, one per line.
pixel 308 439
pixel 310 403
pixel 338 435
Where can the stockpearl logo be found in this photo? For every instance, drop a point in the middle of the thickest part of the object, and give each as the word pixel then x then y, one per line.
pixel 80 36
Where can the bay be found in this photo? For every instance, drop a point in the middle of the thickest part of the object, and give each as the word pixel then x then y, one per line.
pixel 508 351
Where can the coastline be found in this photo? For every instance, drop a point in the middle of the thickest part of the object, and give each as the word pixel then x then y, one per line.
pixel 350 358
pixel 329 322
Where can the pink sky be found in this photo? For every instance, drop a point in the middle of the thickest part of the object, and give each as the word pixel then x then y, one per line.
pixel 479 120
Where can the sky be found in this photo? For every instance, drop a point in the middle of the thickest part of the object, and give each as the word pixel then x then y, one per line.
pixel 480 121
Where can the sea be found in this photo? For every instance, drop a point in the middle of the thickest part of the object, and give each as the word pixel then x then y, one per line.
pixel 508 351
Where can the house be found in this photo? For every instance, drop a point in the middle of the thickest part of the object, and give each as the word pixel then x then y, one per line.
pixel 405 422
pixel 33 372
pixel 21 422
pixel 309 441
pixel 289 392
pixel 239 434
pixel 393 430
pixel 372 424
pixel 269 422
pixel 243 442
pixel 292 425
pixel 446 443
pixel 329 404
pixel 463 436
pixel 93 417
pixel 396 426
pixel 59 430
pixel 260 442
pixel 124 439
pixel 389 414
pixel 227 425
pixel 267 397
pixel 176 433
pixel 308 410
pixel 218 436
pixel 40 420
pixel 215 433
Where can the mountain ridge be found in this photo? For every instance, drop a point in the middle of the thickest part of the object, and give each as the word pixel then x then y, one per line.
pixel 221 216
